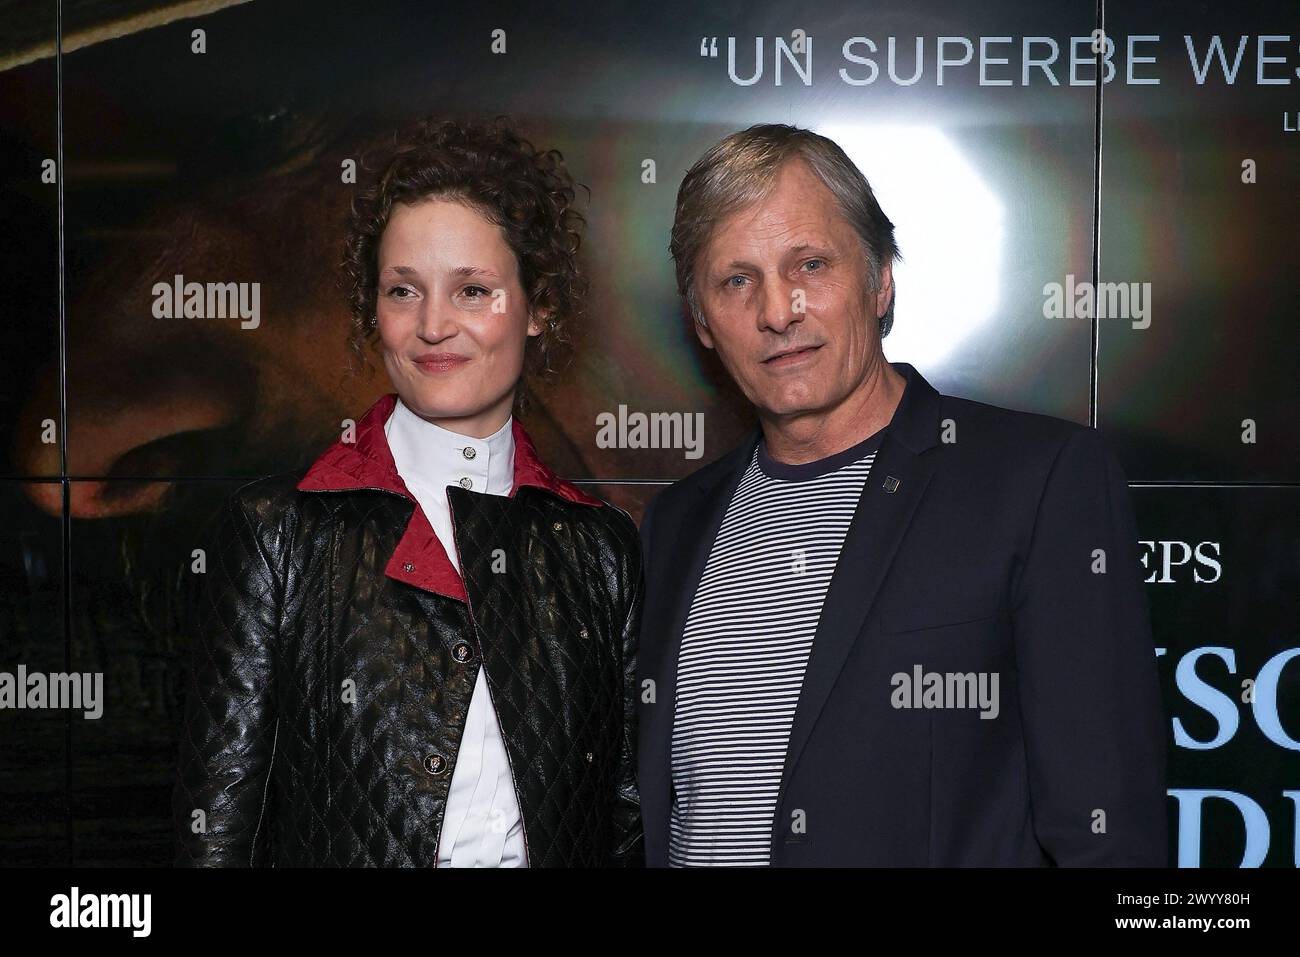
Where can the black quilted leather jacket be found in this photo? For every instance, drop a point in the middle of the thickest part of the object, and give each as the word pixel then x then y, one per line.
pixel 334 659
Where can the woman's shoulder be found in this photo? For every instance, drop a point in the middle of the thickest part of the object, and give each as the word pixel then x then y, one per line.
pixel 598 515
pixel 602 538
pixel 597 527
pixel 267 498
pixel 274 503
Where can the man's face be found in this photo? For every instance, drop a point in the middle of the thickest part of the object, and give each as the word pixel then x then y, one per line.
pixel 783 286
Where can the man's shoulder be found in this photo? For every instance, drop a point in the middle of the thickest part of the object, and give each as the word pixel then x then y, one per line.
pixel 991 433
pixel 970 433
pixel 683 492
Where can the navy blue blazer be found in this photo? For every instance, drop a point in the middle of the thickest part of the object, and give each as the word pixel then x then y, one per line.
pixel 1007 546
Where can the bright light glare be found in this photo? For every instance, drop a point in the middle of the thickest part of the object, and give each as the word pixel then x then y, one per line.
pixel 948 226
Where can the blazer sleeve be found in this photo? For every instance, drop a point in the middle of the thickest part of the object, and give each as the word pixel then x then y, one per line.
pixel 629 839
pixel 1086 670
pixel 223 789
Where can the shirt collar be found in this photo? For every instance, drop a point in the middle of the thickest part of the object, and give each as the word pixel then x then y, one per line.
pixel 361 458
pixel 429 455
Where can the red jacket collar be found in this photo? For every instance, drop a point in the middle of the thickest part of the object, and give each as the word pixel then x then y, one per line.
pixel 419 558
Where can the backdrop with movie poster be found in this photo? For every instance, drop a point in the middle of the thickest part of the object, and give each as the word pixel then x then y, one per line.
pixel 1119 253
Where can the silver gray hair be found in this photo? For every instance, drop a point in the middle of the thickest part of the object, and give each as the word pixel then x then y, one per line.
pixel 739 170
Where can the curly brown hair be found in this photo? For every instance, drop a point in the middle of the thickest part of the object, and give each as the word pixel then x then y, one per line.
pixel 528 192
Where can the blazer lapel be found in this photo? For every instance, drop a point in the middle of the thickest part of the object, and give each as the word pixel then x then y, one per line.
pixel 879 524
pixel 897 482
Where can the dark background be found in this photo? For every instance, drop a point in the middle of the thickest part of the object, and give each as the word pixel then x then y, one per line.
pixel 225 166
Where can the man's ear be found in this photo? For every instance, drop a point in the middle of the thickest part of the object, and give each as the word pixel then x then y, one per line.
pixel 702 332
pixel 885 294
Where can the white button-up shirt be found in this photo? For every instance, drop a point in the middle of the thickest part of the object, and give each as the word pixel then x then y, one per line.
pixel 482 826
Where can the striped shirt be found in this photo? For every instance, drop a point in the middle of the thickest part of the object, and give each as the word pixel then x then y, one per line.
pixel 745 647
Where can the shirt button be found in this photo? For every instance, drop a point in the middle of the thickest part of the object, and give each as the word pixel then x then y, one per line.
pixel 469 451
pixel 462 652
pixel 582 632
pixel 590 757
pixel 408 567
pixel 435 764
pixel 467 482
pixel 557 526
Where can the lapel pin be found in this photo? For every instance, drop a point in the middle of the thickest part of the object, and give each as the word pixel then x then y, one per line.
pixel 891 484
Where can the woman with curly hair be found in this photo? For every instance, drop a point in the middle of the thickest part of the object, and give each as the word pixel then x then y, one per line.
pixel 421 651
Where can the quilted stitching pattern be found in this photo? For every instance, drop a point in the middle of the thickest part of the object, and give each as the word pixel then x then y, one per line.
pixel 319 684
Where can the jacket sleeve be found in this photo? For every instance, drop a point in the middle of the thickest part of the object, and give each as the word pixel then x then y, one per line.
pixel 1086 670
pixel 221 797
pixel 629 840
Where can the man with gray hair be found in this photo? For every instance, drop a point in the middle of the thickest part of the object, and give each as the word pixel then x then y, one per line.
pixel 893 627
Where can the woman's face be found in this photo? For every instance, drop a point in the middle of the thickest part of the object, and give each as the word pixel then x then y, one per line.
pixel 452 315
